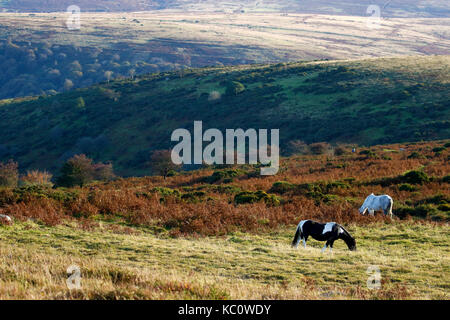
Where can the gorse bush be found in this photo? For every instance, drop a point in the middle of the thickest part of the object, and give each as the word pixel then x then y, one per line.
pixel 253 197
pixel 438 149
pixel 416 155
pixel 225 176
pixel 407 187
pixel 166 191
pixel 414 177
pixel 193 197
pixel 282 187
pixel 368 153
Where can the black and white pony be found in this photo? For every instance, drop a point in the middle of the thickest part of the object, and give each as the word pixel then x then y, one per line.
pixel 329 232
pixel 374 203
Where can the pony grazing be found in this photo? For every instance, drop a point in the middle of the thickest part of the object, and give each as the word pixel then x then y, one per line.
pixel 373 203
pixel 329 232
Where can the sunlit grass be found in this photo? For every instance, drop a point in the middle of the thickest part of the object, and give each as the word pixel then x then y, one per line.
pixel 413 259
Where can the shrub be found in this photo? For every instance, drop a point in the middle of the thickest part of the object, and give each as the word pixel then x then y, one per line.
pixel 340 150
pixel 338 185
pixel 166 191
pixel 36 177
pixel 319 148
pixel 407 187
pixel 253 197
pixel 421 211
pixel 410 177
pixel 436 199
pixel 446 179
pixel 193 197
pixel 368 153
pixel 225 176
pixel 415 177
pixel 44 192
pixel 282 187
pixel 9 174
pixel 172 173
pixel 416 155
pixel 438 149
pixel 229 189
pixel 7 196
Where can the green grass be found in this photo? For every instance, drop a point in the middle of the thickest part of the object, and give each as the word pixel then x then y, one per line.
pixel 413 259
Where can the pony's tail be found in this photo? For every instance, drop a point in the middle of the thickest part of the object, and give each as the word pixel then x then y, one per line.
pixel 391 205
pixel 297 237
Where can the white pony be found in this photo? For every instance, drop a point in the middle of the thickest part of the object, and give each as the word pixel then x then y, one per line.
pixel 373 203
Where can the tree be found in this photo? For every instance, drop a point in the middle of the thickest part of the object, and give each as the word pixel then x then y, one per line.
pixel 161 162
pixel 80 104
pixel 78 170
pixel 319 148
pixel 296 147
pixel 9 174
pixel 235 88
pixel 103 172
pixel 108 75
pixel 132 73
pixel 68 84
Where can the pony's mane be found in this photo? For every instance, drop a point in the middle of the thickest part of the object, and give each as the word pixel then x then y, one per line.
pixel 349 237
pixel 345 231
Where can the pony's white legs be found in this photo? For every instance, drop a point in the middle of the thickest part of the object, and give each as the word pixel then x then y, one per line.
pixel 372 212
pixel 304 243
pixel 324 248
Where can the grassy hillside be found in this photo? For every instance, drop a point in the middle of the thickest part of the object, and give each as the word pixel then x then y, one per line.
pixel 40 55
pixel 357 101
pixel 203 235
